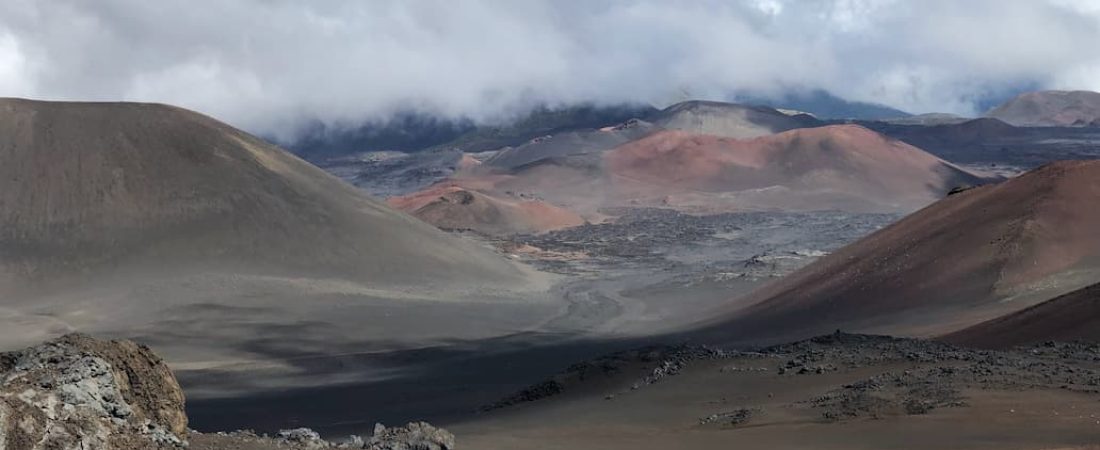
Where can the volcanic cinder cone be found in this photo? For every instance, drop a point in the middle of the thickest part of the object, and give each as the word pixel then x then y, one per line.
pixel 454 208
pixel 149 221
pixel 87 187
pixel 832 167
pixel 1051 109
pixel 970 257
pixel 728 119
pixel 840 167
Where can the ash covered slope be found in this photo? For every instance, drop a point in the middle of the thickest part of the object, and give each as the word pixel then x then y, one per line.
pixel 569 144
pixel 88 187
pixel 840 166
pixel 1071 317
pixel 1051 109
pixel 970 257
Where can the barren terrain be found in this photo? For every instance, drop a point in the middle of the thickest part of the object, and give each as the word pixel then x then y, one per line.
pixel 293 299
pixel 837 391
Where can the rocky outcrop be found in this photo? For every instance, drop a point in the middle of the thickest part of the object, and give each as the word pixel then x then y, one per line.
pixel 80 393
pixel 302 438
pixel 414 436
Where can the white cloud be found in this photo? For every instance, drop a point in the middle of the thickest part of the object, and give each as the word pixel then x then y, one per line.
pixel 267 65
pixel 14 67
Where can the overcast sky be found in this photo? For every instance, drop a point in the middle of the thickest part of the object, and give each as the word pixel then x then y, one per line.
pixel 269 65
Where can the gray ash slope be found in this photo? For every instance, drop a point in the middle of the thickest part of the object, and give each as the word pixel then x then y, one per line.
pixel 230 255
pixel 92 186
pixel 1051 108
pixel 570 143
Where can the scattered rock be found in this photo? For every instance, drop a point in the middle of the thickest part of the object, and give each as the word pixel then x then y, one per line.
pixel 537 391
pixel 303 437
pixel 413 436
pixel 734 418
pixel 79 393
pixel 908 393
pixel 944 372
pixel 657 362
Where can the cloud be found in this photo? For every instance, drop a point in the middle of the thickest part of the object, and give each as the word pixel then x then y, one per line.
pixel 272 65
pixel 13 66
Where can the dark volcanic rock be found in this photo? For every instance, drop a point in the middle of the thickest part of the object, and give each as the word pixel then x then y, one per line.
pixel 77 392
pixel 939 375
pixel 657 363
pixel 537 391
pixel 736 417
pixel 414 436
pixel 80 393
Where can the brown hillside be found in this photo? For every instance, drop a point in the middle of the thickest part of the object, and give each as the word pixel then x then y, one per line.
pixel 452 207
pixel 838 166
pixel 965 259
pixel 1071 317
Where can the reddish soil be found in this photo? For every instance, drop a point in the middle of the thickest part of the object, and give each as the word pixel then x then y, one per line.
pixel 1071 317
pixel 968 258
pixel 453 207
pixel 844 167
pixel 846 160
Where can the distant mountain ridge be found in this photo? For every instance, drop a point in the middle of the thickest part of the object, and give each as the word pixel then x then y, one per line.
pixel 1051 109
pixel 825 105
pixel 412 131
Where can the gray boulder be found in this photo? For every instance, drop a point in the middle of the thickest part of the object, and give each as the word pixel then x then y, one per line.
pixel 81 393
pixel 414 436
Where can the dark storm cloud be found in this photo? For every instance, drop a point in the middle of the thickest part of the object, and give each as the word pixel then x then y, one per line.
pixel 268 65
